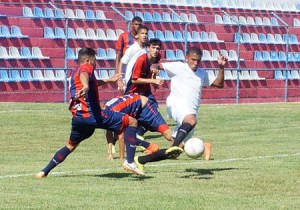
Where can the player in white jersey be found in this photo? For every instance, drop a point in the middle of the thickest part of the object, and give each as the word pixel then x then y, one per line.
pixel 137 49
pixel 180 105
pixel 184 100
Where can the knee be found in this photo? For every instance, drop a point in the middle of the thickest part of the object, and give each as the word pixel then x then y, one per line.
pixel 191 121
pixel 168 135
pixel 132 122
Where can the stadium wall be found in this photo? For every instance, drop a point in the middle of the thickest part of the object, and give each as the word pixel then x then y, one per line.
pixel 35 68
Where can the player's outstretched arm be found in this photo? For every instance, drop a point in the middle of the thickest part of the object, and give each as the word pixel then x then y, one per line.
pixel 219 81
pixel 114 78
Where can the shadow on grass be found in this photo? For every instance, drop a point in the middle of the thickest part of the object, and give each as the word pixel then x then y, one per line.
pixel 123 175
pixel 204 173
pixel 112 176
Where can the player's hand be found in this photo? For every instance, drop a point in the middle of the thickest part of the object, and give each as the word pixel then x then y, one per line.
pixel 154 68
pixel 82 92
pixel 116 77
pixel 121 86
pixel 222 60
pixel 159 82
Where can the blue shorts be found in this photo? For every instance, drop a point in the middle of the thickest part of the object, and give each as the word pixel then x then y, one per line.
pixel 83 128
pixel 151 118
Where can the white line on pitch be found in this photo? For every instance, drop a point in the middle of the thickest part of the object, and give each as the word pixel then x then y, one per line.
pixel 157 165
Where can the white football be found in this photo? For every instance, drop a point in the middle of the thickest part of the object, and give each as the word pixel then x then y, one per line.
pixel 194 147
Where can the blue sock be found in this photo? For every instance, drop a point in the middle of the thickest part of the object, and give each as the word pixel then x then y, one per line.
pixel 142 143
pixel 141 131
pixel 130 142
pixel 59 157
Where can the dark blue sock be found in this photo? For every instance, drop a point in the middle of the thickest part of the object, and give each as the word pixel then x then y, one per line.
pixel 142 143
pixel 182 132
pixel 141 131
pixel 130 142
pixel 59 157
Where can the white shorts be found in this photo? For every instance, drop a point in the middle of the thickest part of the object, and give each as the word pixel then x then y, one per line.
pixel 177 111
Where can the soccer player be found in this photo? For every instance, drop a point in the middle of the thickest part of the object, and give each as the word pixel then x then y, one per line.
pixel 125 40
pixel 131 54
pixel 87 114
pixel 145 111
pixel 128 59
pixel 185 96
pixel 142 78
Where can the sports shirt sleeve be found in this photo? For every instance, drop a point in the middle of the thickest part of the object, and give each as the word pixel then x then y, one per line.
pixel 172 68
pixel 120 43
pixel 128 54
pixel 87 68
pixel 138 67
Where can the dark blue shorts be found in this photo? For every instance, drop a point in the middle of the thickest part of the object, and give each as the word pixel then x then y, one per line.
pixel 151 118
pixel 83 128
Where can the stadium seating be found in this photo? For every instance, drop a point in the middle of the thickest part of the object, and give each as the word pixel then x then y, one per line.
pixel 263 37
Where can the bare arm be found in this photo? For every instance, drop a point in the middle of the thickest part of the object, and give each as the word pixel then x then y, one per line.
pixel 118 59
pixel 84 78
pixel 219 81
pixel 115 78
pixel 147 81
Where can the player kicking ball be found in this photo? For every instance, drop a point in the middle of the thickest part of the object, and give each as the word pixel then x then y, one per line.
pixel 183 108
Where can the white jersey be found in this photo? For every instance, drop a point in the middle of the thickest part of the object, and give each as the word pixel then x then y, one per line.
pixel 130 57
pixel 186 87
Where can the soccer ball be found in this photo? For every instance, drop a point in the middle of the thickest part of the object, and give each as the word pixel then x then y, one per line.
pixel 194 147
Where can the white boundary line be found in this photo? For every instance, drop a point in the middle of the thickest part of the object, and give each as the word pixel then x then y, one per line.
pixel 9 176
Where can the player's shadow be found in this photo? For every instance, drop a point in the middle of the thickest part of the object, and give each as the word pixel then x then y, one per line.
pixel 204 173
pixel 122 175
pixel 112 176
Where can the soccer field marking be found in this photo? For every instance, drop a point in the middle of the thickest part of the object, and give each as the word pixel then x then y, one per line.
pixel 179 162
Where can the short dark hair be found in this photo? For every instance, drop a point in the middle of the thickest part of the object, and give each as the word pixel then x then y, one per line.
pixel 86 51
pixel 137 19
pixel 154 41
pixel 195 50
pixel 141 27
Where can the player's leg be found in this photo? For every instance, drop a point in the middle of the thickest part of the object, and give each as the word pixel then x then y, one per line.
pixel 188 123
pixel 78 134
pixel 110 144
pixel 117 121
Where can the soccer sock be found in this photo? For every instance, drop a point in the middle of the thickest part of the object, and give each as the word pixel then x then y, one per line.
pixel 141 131
pixel 130 142
pixel 182 132
pixel 142 143
pixel 59 157
pixel 154 157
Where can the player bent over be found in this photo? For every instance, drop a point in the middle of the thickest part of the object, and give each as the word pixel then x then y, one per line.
pixel 146 112
pixel 87 114
pixel 182 107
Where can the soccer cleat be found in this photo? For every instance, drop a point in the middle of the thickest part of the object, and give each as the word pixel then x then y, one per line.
pixel 40 175
pixel 132 167
pixel 173 152
pixel 142 138
pixel 139 165
pixel 152 148
pixel 207 151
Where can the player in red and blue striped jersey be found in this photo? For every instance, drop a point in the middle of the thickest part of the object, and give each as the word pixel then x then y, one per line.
pixel 88 115
pixel 146 112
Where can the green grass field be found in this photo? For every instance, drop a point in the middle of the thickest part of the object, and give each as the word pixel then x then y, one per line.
pixel 256 163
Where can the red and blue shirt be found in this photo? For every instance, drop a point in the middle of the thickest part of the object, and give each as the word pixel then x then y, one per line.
pixel 88 105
